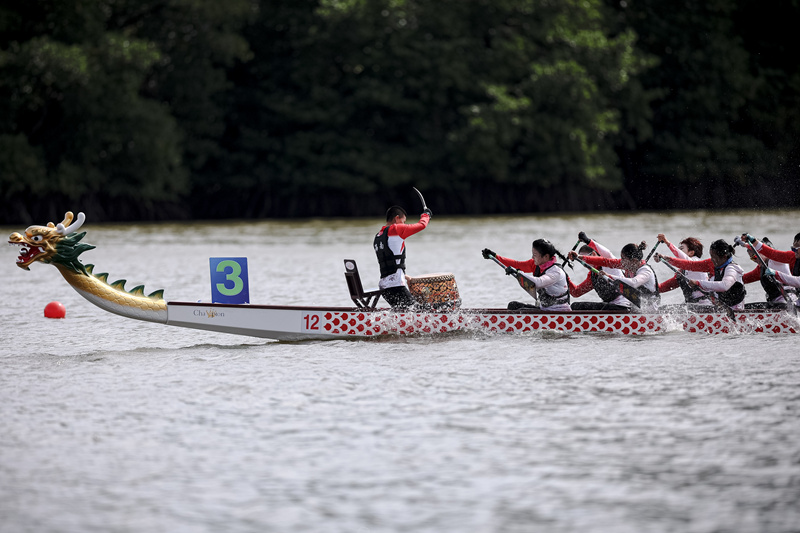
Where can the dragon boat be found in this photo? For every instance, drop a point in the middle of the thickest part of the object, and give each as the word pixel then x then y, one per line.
pixel 60 245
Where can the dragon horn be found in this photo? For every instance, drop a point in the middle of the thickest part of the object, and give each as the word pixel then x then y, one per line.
pixel 72 227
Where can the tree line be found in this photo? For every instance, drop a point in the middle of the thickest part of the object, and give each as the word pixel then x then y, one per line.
pixel 175 109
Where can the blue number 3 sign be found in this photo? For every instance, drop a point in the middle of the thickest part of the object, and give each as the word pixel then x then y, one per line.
pixel 229 284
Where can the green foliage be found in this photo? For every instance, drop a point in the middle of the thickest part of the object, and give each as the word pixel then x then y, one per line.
pixel 102 106
pixel 704 86
pixel 264 107
pixel 22 168
pixel 369 94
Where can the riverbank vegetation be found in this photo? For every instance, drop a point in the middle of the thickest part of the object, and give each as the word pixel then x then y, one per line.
pixel 175 109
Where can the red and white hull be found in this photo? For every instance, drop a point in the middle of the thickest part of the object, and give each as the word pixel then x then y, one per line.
pixel 302 323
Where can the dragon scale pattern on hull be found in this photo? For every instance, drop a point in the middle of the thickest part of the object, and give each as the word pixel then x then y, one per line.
pixel 361 323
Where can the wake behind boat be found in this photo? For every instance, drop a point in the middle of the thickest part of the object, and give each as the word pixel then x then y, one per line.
pixel 61 246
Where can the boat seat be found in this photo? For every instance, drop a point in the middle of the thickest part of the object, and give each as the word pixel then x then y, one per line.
pixel 364 300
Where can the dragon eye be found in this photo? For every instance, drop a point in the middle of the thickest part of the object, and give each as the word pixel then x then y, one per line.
pixel 37 238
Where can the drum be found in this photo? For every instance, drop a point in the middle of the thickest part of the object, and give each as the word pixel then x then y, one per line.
pixel 439 291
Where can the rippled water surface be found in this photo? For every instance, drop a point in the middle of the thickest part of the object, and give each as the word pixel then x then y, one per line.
pixel 110 424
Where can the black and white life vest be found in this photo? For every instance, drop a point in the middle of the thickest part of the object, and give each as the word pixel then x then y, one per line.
pixel 387 260
pixel 545 298
pixel 733 296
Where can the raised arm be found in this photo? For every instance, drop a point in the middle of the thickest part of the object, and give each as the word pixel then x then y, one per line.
pixel 407 230
pixel 677 252
pixel 600 249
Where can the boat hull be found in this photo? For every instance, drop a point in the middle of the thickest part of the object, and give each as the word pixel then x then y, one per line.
pixel 291 323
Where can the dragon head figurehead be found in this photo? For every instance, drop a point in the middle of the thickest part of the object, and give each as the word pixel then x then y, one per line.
pixel 54 243
pixel 60 245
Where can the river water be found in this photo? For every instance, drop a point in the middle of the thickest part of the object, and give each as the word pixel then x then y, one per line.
pixel 115 425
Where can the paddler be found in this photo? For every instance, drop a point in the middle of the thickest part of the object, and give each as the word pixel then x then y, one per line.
pixel 689 249
pixel 608 290
pixel 390 247
pixel 543 271
pixel 790 258
pixel 635 273
pixel 766 275
pixel 727 282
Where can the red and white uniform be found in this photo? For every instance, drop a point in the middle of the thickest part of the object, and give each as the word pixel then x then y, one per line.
pixel 398 233
pixel 605 252
pixel 732 274
pixel 587 284
pixel 553 280
pixel 644 276
pixel 701 299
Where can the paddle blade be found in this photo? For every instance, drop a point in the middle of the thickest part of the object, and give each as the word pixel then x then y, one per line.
pixel 631 293
pixel 526 284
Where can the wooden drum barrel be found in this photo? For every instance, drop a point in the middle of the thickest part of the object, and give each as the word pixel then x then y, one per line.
pixel 438 291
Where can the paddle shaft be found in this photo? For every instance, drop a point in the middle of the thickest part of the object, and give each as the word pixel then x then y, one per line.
pixel 591 268
pixel 573 249
pixel 524 282
pixel 652 251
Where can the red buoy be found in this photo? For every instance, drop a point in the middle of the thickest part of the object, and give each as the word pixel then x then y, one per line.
pixel 55 310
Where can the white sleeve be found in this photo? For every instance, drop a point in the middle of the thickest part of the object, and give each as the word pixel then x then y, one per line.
pixel 677 252
pixel 787 279
pixel 545 280
pixel 727 281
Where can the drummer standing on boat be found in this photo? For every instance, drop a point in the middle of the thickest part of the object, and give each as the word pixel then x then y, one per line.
pixel 390 247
